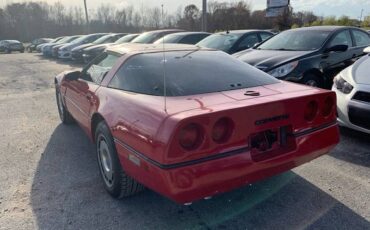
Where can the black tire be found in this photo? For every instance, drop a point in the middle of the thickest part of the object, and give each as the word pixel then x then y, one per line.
pixel 313 80
pixel 117 183
pixel 22 51
pixel 8 51
pixel 64 115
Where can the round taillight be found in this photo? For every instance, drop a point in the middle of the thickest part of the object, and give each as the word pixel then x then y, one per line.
pixel 191 137
pixel 222 130
pixel 328 107
pixel 311 111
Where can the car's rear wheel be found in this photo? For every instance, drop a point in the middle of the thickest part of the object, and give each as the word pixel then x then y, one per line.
pixel 64 115
pixel 313 80
pixel 116 181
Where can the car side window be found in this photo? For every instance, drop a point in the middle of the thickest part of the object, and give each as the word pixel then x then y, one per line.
pixel 342 38
pixel 248 41
pixel 361 38
pixel 99 68
pixel 265 36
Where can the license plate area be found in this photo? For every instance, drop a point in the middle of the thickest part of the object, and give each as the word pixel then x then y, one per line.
pixel 271 142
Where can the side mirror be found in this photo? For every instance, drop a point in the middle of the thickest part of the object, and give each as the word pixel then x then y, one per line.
pixel 73 76
pixel 337 48
pixel 367 50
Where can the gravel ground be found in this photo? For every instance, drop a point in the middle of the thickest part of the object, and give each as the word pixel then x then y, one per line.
pixel 49 176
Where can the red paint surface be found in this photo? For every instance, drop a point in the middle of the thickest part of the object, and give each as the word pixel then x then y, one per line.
pixel 140 122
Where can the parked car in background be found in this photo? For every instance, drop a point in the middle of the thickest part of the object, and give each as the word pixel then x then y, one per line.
pixel 65 52
pixel 92 52
pixel 190 38
pixel 235 40
pixel 9 46
pixel 32 47
pixel 109 38
pixel 310 55
pixel 39 47
pixel 352 87
pixel 47 50
pixel 152 36
pixel 197 142
pixel 55 49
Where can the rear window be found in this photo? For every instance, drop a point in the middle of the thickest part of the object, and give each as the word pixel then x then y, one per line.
pixel 187 73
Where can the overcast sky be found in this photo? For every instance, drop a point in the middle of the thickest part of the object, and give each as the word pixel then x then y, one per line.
pixel 351 8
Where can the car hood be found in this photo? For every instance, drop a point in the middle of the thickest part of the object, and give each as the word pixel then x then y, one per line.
pixel 268 59
pixel 360 71
pixel 101 46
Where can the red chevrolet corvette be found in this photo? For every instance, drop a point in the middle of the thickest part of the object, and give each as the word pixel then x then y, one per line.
pixel 190 123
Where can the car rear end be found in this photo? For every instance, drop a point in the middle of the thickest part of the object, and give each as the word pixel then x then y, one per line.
pixel 203 152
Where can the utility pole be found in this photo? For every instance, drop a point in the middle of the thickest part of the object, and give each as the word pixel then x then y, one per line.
pixel 87 17
pixel 204 17
pixel 362 11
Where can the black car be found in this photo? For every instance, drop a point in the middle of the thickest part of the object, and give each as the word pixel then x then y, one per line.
pixel 235 40
pixel 190 38
pixel 9 46
pixel 92 52
pixel 107 38
pixel 311 55
pixel 32 47
pixel 152 36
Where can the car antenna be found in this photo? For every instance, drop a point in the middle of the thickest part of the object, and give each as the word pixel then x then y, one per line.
pixel 164 67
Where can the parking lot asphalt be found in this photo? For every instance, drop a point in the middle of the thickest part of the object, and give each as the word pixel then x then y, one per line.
pixel 49 176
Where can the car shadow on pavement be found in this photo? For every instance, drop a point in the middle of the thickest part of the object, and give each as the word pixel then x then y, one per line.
pixel 67 193
pixel 354 147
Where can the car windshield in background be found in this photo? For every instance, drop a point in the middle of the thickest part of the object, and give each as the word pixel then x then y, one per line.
pixel 220 41
pixel 63 40
pixel 127 38
pixel 80 39
pixel 146 38
pixel 70 39
pixel 104 39
pixel 296 40
pixel 172 38
pixel 187 73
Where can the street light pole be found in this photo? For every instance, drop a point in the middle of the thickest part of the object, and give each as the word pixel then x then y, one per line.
pixel 87 17
pixel 204 17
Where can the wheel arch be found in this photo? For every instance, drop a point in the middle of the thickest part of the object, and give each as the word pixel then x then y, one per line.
pixel 95 120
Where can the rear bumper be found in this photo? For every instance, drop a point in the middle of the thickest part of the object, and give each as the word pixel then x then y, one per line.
pixel 196 181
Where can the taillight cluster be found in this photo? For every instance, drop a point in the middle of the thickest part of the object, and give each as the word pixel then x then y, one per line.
pixel 312 109
pixel 192 136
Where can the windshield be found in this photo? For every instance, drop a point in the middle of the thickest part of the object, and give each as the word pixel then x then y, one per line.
pixel 147 38
pixel 296 40
pixel 70 39
pixel 222 42
pixel 80 39
pixel 104 39
pixel 126 39
pixel 187 73
pixel 171 38
pixel 63 40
